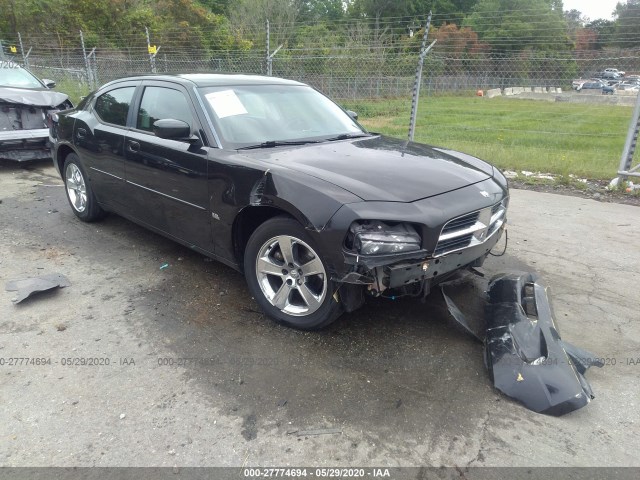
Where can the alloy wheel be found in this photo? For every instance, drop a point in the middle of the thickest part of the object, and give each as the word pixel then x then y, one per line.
pixel 291 275
pixel 76 187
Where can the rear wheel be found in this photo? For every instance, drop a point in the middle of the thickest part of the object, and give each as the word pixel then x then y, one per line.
pixel 81 198
pixel 287 276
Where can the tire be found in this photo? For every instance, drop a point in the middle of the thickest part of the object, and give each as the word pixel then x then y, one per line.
pixel 290 296
pixel 78 189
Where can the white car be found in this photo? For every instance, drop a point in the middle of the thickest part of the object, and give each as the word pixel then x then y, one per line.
pixel 614 71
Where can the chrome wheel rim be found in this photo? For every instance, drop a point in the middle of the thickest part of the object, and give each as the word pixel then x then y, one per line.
pixel 76 188
pixel 291 275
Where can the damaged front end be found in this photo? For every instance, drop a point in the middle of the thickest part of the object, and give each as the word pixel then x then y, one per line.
pixel 24 122
pixel 382 251
pixel 389 258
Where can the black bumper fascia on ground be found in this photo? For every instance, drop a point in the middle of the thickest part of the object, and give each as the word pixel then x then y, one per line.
pixel 526 358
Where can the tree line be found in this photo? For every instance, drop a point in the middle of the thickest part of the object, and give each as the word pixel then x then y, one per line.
pixel 312 26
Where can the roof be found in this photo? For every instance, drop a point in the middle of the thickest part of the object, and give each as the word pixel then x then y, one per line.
pixel 215 79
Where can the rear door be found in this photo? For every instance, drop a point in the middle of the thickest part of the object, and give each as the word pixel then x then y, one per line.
pixel 99 134
pixel 166 179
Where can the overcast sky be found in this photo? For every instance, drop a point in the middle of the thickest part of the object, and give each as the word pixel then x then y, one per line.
pixel 593 9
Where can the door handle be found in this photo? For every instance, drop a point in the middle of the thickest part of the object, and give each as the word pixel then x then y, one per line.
pixel 81 132
pixel 133 147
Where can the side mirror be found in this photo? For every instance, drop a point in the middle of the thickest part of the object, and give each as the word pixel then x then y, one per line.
pixel 48 83
pixel 352 114
pixel 172 129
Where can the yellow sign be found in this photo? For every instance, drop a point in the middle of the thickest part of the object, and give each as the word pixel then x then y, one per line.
pixel 152 49
pixel 13 49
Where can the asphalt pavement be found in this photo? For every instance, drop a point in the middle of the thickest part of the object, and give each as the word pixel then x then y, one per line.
pixel 147 366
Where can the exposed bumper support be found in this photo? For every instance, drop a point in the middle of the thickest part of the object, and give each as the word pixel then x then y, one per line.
pixel 33 134
pixel 409 267
pixel 24 145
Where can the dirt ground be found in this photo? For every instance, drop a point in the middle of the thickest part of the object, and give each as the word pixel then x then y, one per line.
pixel 190 373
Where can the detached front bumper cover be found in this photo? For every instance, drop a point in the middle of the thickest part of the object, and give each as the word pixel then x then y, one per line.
pixel 526 357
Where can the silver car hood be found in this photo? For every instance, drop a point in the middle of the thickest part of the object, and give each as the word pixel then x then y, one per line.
pixel 36 98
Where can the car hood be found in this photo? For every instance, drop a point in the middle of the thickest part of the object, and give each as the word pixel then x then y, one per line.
pixel 34 97
pixel 380 168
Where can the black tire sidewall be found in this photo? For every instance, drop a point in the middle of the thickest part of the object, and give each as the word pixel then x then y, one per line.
pixel 92 211
pixel 330 309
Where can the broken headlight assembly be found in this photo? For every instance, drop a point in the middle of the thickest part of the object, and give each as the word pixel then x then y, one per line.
pixel 374 237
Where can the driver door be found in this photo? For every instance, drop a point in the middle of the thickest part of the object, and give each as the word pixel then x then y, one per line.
pixel 166 179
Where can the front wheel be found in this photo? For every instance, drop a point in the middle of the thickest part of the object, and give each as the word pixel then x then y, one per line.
pixel 81 198
pixel 287 276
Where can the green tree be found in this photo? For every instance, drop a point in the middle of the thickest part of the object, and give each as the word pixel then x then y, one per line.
pixel 248 18
pixel 604 30
pixel 514 25
pixel 627 30
pixel 448 11
pixel 220 7
pixel 321 10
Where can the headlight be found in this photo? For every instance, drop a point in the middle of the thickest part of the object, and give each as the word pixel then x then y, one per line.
pixel 373 237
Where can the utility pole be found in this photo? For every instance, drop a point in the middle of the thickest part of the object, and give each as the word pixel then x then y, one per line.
pixel 418 81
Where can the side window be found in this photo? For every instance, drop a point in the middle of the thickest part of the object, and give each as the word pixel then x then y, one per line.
pixel 113 106
pixel 160 103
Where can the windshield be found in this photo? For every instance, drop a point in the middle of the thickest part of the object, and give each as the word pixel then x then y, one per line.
pixel 250 115
pixel 18 77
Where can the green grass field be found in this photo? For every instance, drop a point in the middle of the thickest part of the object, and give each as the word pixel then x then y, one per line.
pixel 73 88
pixel 554 137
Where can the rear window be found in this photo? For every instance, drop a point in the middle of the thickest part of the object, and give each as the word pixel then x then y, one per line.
pixel 113 106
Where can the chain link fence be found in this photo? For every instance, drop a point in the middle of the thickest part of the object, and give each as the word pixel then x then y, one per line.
pixel 341 72
pixel 354 76
pixel 372 69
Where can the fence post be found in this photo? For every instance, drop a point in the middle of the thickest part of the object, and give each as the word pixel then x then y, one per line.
pixel 153 51
pixel 625 169
pixel 93 66
pixel 25 58
pixel 268 50
pixel 416 85
pixel 86 62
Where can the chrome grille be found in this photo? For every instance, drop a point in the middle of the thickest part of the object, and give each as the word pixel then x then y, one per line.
pixel 471 229
pixel 455 243
pixel 461 222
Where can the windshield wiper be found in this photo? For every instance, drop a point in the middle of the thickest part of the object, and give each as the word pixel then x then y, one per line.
pixel 346 136
pixel 277 143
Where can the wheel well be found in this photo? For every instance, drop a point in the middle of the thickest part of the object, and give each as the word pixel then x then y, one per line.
pixel 246 223
pixel 61 156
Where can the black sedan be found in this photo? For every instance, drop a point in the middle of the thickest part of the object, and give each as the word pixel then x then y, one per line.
pixel 271 177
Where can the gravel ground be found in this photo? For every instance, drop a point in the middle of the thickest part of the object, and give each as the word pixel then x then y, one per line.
pixel 396 381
